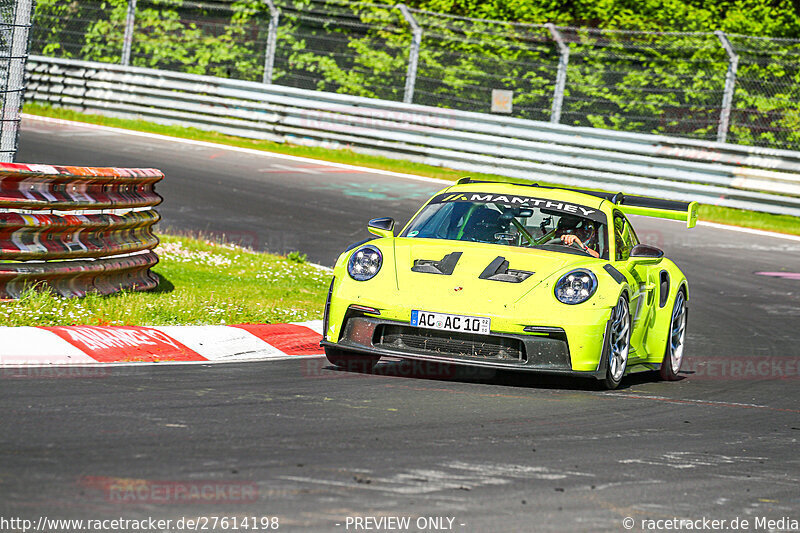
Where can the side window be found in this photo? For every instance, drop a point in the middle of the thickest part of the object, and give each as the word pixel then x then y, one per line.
pixel 438 222
pixel 624 237
pixel 602 242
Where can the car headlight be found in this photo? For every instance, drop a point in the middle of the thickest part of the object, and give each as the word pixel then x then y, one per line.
pixel 365 263
pixel 576 287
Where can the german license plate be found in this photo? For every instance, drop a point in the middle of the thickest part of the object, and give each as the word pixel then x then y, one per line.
pixel 466 324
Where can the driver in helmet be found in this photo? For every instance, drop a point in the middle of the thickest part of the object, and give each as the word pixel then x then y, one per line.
pixel 578 231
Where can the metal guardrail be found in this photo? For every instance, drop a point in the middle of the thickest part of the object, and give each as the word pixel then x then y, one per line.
pixel 737 176
pixel 77 229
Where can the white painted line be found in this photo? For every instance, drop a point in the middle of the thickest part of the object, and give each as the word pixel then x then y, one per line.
pixel 29 346
pixel 740 229
pixel 321 267
pixel 249 151
pixel 750 231
pixel 221 343
pixel 276 155
pixel 682 400
pixel 289 168
pixel 314 325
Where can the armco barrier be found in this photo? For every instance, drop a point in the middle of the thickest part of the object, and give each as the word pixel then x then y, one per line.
pixel 77 229
pixel 683 169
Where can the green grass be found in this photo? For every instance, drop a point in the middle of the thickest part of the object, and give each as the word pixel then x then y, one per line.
pixel 750 219
pixel 723 215
pixel 201 283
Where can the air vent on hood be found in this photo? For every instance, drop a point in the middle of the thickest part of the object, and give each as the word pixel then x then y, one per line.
pixel 498 271
pixel 445 266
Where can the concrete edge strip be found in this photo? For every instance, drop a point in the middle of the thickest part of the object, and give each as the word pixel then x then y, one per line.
pixel 136 345
pixel 353 168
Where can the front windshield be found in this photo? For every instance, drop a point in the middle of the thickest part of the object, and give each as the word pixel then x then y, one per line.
pixel 510 220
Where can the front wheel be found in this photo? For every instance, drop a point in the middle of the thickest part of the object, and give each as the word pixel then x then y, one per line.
pixel 673 355
pixel 617 344
pixel 351 361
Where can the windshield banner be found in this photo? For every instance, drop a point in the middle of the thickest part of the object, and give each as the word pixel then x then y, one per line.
pixel 513 200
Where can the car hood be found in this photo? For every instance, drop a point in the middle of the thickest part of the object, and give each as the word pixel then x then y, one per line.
pixel 455 290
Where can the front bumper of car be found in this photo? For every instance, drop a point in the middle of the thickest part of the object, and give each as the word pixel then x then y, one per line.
pixel 546 351
pixel 579 328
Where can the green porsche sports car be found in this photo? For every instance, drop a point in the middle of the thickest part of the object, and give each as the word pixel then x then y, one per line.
pixel 516 277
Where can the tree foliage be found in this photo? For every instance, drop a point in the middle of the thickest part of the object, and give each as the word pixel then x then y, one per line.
pixel 766 18
pixel 635 80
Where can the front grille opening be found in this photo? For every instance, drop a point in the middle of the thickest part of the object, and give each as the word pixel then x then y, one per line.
pixel 449 343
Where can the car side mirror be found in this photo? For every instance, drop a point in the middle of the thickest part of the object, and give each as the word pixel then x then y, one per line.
pixel 382 227
pixel 644 253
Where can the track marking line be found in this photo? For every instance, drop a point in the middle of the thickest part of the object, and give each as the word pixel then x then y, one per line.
pixel 288 168
pixel 249 151
pixel 740 229
pixel 784 275
pixel 711 403
pixel 684 460
pixel 750 231
pixel 610 395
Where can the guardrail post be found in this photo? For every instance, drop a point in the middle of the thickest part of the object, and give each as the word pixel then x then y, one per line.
pixel 272 40
pixel 127 41
pixel 413 54
pixel 13 78
pixel 561 75
pixel 730 84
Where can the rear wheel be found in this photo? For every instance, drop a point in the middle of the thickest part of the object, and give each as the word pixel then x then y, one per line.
pixel 673 355
pixel 355 362
pixel 617 344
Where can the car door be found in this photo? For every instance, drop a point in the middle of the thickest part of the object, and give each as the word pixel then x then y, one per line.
pixel 641 281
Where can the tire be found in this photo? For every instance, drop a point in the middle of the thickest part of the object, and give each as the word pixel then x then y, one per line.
pixel 354 362
pixel 617 345
pixel 676 337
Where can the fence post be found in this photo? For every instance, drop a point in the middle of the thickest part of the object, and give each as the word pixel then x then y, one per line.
pixel 12 76
pixel 413 54
pixel 272 39
pixel 127 41
pixel 561 75
pixel 730 85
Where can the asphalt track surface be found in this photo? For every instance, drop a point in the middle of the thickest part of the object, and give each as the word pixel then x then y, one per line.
pixel 496 452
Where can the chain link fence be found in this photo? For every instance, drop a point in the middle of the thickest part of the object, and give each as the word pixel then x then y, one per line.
pixel 15 22
pixel 707 86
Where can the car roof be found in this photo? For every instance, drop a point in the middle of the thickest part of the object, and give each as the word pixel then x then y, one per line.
pixel 532 190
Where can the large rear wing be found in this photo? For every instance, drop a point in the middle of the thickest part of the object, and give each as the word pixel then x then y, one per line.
pixel 651 207
pixel 631 205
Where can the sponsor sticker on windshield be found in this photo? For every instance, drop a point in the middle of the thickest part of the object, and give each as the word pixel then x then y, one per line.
pixel 521 201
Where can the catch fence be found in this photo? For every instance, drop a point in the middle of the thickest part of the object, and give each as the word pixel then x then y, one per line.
pixel 15 23
pixel 710 86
